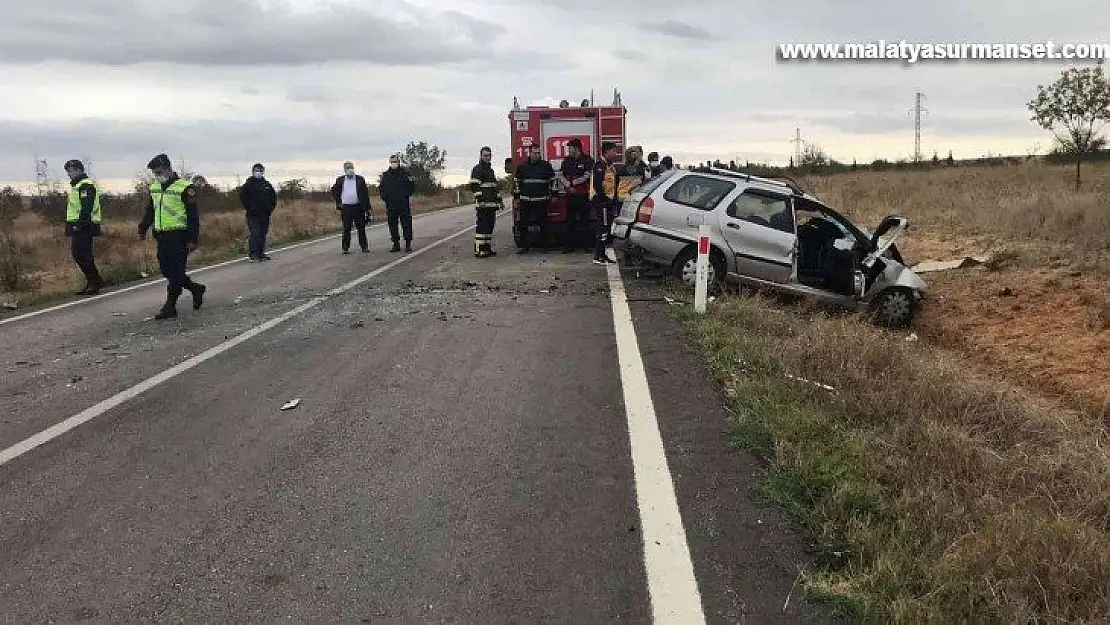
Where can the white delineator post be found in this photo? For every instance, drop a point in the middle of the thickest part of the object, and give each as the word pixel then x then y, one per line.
pixel 701 279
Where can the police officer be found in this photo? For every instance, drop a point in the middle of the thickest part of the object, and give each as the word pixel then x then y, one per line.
pixel 533 179
pixel 605 194
pixel 487 196
pixel 396 189
pixel 172 211
pixel 575 172
pixel 83 223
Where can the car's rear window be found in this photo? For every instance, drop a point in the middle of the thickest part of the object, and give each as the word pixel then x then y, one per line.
pixel 652 184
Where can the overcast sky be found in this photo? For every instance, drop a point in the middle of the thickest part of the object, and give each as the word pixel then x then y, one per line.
pixel 302 85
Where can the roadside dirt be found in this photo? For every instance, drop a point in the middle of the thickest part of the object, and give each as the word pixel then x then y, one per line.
pixel 1045 327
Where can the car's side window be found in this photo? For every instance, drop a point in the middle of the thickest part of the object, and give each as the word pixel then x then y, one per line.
pixel 764 209
pixel 699 192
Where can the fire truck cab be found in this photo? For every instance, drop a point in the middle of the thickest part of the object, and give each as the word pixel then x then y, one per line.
pixel 552 128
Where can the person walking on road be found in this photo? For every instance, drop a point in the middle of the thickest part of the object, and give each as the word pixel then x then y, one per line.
pixel 575 172
pixel 396 191
pixel 259 201
pixel 173 213
pixel 352 200
pixel 487 197
pixel 533 179
pixel 605 194
pixel 83 224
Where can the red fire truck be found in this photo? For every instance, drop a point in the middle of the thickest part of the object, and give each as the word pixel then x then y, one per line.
pixel 553 128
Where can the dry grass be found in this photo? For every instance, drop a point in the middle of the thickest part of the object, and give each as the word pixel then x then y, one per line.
pixel 1033 203
pixel 46 269
pixel 948 498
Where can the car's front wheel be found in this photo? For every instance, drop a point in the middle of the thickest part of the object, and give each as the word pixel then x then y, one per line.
pixel 895 307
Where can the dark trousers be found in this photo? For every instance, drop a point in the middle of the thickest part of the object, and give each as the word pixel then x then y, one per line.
pixel 483 229
pixel 172 259
pixel 603 237
pixel 82 248
pixel 353 216
pixel 403 218
pixel 533 215
pixel 259 226
pixel 578 222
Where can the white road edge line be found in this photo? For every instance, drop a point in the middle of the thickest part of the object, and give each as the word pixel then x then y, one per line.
pixel 672 585
pixel 198 270
pixel 54 431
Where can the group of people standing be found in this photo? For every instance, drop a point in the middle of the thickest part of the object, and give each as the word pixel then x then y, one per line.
pixel 603 184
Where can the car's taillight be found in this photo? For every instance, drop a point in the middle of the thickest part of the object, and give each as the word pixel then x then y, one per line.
pixel 643 213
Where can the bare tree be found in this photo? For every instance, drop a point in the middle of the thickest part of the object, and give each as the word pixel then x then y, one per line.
pixel 1074 109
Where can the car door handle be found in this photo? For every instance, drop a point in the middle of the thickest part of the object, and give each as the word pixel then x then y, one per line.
pixel 733 225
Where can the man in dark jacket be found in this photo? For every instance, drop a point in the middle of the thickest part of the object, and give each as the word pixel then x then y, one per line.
pixel 396 188
pixel 259 200
pixel 575 172
pixel 172 210
pixel 605 182
pixel 532 186
pixel 487 200
pixel 83 223
pixel 352 200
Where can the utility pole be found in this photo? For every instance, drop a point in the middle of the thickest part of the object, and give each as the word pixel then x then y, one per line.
pixel 797 141
pixel 917 111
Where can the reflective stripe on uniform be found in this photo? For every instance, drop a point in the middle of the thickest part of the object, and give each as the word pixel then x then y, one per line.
pixel 169 207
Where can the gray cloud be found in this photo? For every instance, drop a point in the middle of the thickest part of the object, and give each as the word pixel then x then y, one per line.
pixel 239 32
pixel 682 30
pixel 631 55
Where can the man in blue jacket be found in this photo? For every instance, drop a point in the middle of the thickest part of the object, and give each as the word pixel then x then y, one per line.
pixel 396 189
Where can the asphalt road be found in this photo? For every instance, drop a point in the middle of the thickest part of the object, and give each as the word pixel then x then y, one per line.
pixel 471 445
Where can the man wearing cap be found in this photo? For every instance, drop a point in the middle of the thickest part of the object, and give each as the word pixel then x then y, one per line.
pixel 487 198
pixel 83 223
pixel 575 173
pixel 259 199
pixel 352 200
pixel 172 211
pixel 396 188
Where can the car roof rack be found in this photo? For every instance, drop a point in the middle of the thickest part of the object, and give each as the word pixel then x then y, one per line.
pixel 745 176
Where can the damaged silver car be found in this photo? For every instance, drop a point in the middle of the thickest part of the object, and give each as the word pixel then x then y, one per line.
pixel 769 233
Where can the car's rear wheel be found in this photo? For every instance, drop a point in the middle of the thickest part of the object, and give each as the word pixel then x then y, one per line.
pixel 686 268
pixel 895 307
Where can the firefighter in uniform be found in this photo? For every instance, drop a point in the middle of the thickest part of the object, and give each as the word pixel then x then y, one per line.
pixel 604 197
pixel 83 223
pixel 575 173
pixel 172 211
pixel 533 180
pixel 487 195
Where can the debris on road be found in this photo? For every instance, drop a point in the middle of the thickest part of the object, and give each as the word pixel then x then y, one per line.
pixel 291 404
pixel 912 338
pixel 357 324
pixel 119 314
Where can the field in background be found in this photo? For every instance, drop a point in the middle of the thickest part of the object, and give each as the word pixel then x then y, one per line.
pixel 958 471
pixel 36 259
pixel 1037 314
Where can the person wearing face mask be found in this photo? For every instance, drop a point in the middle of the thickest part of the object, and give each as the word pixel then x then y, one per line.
pixel 604 194
pixel 575 173
pixel 83 223
pixel 172 211
pixel 487 197
pixel 352 200
pixel 259 200
pixel 532 185
pixel 396 189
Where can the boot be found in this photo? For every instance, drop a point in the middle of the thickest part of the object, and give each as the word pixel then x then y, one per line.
pixel 396 247
pixel 408 246
pixel 198 295
pixel 169 311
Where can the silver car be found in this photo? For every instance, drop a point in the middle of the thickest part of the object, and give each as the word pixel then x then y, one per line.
pixel 768 233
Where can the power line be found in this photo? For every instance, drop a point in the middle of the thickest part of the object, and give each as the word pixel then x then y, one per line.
pixel 797 141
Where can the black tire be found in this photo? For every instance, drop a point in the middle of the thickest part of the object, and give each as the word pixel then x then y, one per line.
pixel 894 308
pixel 685 268
pixel 518 236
